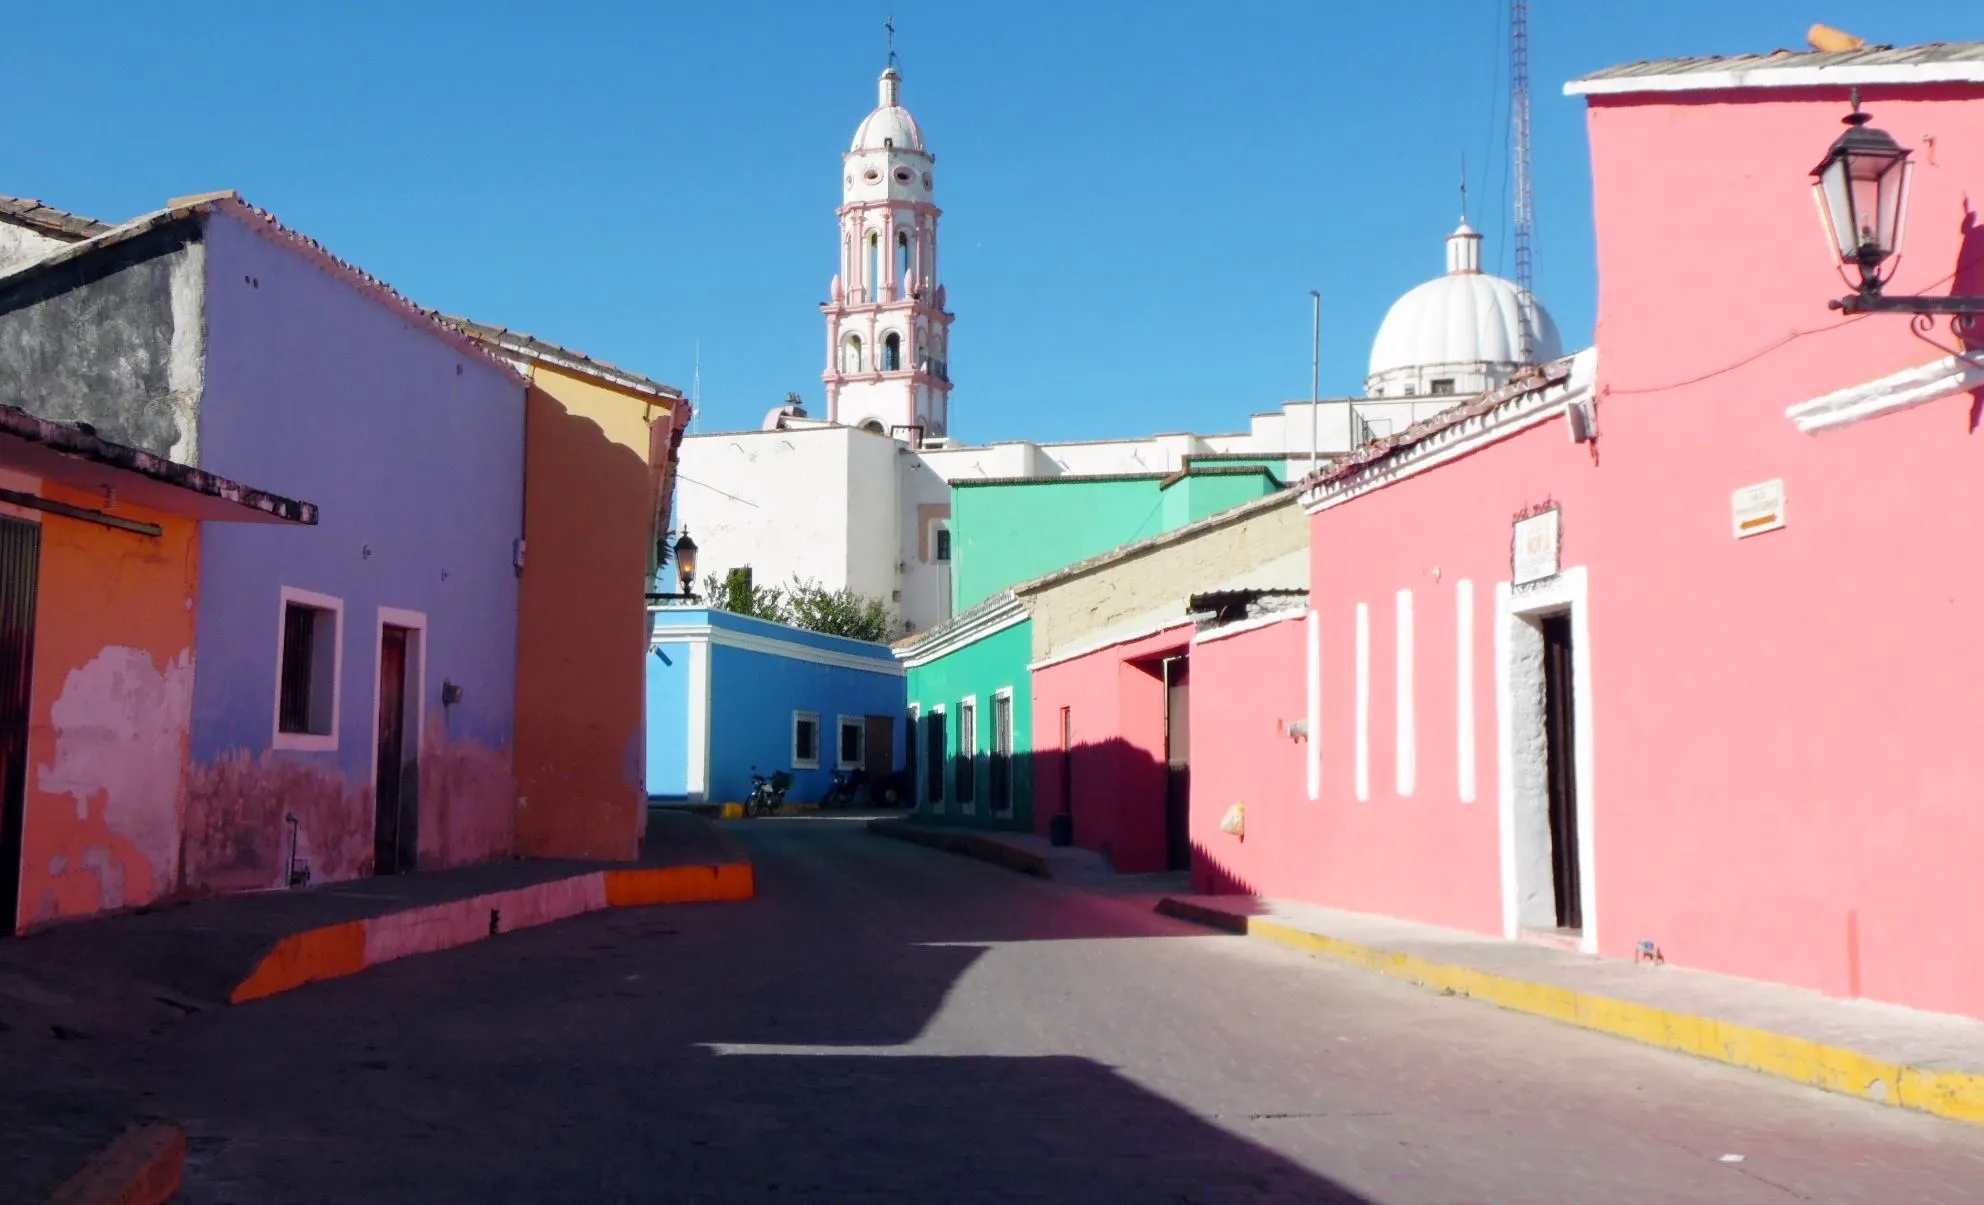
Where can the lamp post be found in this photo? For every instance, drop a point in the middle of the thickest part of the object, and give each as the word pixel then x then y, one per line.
pixel 1861 188
pixel 685 567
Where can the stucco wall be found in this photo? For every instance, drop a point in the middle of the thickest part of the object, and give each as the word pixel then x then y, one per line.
pixel 112 699
pixel 753 698
pixel 1246 690
pixel 981 669
pixel 669 679
pixel 1007 532
pixel 115 341
pixel 582 616
pixel 21 245
pixel 1162 578
pixel 413 450
pixel 1116 710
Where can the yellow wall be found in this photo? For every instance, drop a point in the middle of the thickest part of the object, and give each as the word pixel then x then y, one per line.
pixel 589 504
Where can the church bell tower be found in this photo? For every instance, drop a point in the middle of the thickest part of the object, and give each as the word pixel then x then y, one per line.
pixel 888 335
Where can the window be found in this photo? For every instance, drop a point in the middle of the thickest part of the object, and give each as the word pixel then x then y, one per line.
pixel 1442 385
pixel 851 361
pixel 967 763
pixel 853 750
pixel 891 352
pixel 1002 753
pixel 935 748
pixel 307 671
pixel 902 244
pixel 805 740
pixel 874 264
pixel 943 543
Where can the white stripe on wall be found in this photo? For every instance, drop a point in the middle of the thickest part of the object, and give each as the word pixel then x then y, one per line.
pixel 1314 624
pixel 1407 768
pixel 698 788
pixel 1363 755
pixel 1464 685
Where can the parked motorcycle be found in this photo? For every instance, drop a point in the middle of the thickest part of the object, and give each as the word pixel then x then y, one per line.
pixel 847 788
pixel 767 794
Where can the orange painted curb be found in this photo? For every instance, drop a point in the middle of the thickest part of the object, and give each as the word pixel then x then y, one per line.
pixel 680 884
pixel 141 1166
pixel 300 958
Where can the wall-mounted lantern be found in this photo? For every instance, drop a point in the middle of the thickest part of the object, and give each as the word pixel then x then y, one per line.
pixel 1861 187
pixel 684 550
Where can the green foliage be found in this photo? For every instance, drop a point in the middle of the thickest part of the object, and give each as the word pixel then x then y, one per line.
pixel 803 604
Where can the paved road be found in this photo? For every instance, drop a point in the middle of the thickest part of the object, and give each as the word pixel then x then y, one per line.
pixel 888 1023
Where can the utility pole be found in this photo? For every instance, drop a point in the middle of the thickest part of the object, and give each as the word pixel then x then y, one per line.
pixel 1315 380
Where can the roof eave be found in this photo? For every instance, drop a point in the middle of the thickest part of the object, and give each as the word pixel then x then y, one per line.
pixel 1743 78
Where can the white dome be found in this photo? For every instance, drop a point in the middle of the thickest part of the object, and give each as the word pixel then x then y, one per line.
pixel 890 125
pixel 1465 317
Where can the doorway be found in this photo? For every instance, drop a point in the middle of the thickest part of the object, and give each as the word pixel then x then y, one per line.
pixel 20 572
pixel 1560 752
pixel 396 771
pixel 1177 763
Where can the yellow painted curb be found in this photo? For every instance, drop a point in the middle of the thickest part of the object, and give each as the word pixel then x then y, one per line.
pixel 730 811
pixel 141 1167
pixel 1957 1095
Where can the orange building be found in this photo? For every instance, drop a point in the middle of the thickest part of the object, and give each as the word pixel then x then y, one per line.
pixel 99 594
pixel 599 455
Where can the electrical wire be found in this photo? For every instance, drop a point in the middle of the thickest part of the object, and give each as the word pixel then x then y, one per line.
pixel 679 476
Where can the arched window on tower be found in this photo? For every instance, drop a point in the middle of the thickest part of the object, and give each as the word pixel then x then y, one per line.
pixel 874 264
pixel 892 352
pixel 850 360
pixel 902 259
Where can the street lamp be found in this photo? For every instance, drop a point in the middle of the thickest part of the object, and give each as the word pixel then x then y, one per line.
pixel 685 567
pixel 1861 188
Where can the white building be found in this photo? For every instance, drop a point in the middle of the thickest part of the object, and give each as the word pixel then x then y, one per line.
pixel 861 498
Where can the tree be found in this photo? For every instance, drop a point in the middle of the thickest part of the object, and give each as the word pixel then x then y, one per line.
pixel 734 592
pixel 839 612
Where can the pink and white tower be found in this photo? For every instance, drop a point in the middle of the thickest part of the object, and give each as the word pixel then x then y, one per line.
pixel 888 336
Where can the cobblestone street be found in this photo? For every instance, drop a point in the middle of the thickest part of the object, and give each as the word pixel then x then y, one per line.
pixel 887 1022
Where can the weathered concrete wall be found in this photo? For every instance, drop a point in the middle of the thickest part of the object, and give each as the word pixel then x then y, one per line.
pixel 115 341
pixel 21 245
pixel 589 517
pixel 112 699
pixel 413 449
pixel 1081 610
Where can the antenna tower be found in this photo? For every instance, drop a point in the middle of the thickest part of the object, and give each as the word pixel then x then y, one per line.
pixel 1519 119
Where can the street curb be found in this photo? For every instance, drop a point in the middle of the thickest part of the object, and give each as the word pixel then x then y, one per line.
pixel 141 1166
pixel 335 951
pixel 970 845
pixel 1956 1095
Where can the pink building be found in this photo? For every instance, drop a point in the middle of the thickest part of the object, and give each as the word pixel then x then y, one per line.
pixel 1581 671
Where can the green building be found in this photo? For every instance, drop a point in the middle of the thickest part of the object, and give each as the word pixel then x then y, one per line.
pixel 970 690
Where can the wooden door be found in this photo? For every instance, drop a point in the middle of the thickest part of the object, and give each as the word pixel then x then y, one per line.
pixel 1560 735
pixel 1177 763
pixel 393 839
pixel 20 571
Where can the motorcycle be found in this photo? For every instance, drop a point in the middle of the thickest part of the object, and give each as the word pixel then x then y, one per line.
pixel 767 794
pixel 847 788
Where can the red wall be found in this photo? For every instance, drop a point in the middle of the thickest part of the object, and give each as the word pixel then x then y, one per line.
pixel 1116 699
pixel 1246 689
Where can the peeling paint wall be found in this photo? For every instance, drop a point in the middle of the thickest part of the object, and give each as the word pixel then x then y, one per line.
pixel 112 700
pixel 115 341
pixel 413 450
pixel 21 246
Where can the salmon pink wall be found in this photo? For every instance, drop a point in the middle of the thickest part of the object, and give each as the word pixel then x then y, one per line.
pixel 1246 688
pixel 1116 700
pixel 1428 855
pixel 1788 746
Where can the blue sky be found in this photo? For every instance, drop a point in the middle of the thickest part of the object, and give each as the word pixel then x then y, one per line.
pixel 1138 195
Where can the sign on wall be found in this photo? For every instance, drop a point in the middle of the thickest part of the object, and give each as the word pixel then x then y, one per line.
pixel 1756 509
pixel 1538 543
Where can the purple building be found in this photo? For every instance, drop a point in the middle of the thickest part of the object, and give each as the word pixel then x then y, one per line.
pixel 354 693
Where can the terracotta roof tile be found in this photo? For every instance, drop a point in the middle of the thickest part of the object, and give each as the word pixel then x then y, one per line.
pixel 49 220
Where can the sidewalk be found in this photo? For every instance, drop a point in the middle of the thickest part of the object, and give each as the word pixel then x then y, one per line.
pixel 135 974
pixel 1883 1053
pixel 1026 853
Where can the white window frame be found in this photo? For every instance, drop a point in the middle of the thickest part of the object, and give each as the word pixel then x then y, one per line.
pixel 812 763
pixel 1012 755
pixel 416 700
pixel 309 742
pixel 841 724
pixel 967 757
pixel 944 769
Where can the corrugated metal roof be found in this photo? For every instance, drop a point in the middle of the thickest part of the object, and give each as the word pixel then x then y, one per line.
pixel 1865 61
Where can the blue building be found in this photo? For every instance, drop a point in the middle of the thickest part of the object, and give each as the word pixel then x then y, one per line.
pixel 728 694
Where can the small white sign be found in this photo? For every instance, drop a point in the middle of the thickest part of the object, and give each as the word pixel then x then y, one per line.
pixel 1756 509
pixel 1537 542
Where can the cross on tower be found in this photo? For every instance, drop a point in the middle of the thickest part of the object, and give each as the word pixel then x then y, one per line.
pixel 890 25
